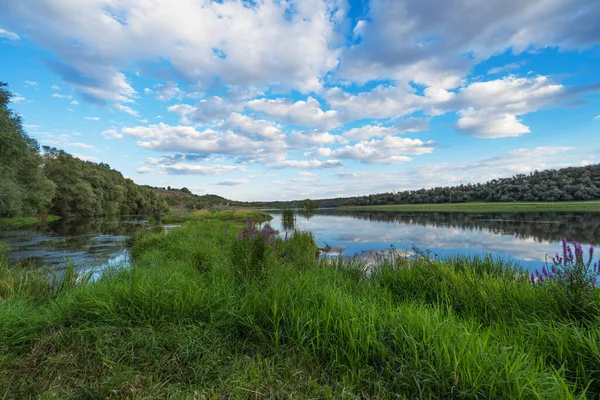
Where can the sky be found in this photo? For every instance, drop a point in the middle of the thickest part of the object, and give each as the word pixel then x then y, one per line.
pixel 282 100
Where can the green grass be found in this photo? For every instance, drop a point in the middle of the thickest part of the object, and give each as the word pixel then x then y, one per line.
pixel 181 324
pixel 22 222
pixel 486 207
pixel 224 215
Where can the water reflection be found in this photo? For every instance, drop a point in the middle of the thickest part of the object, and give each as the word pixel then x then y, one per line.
pixel 86 242
pixel 524 237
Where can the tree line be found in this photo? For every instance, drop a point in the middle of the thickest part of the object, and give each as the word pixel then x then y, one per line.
pixel 54 181
pixel 566 184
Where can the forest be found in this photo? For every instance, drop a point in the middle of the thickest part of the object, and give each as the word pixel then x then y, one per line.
pixel 566 184
pixel 53 181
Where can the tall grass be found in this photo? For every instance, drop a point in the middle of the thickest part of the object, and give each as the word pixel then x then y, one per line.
pixel 180 324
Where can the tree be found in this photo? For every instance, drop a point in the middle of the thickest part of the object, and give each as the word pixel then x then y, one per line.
pixel 24 190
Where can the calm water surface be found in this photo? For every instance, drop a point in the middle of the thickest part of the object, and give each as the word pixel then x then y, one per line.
pixel 522 237
pixel 89 243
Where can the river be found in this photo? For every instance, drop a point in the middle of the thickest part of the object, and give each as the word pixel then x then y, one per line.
pixel 525 238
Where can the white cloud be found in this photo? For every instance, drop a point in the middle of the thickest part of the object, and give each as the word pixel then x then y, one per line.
pixel 307 139
pixel 8 35
pixel 168 91
pixel 597 118
pixel 62 96
pixel 375 131
pixel 206 110
pixel 82 145
pixel 31 83
pixel 145 170
pixel 87 158
pixel 75 103
pixel 307 164
pixel 148 91
pixel 126 109
pixel 503 68
pixel 495 105
pixel 17 99
pixel 112 134
pixel 189 169
pixel 55 87
pixel 263 43
pixel 232 182
pixel 441 41
pixel 487 124
pixel 92 118
pixel 186 139
pixel 389 150
pixel 251 128
pixel 304 113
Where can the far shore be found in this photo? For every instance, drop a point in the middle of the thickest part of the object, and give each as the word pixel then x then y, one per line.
pixel 486 206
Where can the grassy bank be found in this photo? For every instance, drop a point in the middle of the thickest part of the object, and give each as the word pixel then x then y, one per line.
pixel 238 215
pixel 486 207
pixel 215 310
pixel 23 222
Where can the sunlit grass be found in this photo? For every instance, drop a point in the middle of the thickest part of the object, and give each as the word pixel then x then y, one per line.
pixel 181 324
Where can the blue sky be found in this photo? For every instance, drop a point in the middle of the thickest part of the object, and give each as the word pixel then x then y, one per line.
pixel 267 100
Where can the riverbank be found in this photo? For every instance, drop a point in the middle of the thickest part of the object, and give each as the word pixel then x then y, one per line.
pixel 216 309
pixel 485 207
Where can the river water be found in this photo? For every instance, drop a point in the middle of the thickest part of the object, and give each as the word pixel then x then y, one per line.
pixel 525 238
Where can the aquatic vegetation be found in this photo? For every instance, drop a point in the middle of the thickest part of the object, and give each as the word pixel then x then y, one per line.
pixel 181 323
pixel 288 219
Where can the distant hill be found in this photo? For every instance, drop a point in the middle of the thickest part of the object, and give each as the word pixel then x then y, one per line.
pixel 185 199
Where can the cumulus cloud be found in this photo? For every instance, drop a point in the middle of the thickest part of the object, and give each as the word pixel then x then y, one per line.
pixel 264 43
pixel 187 139
pixel 442 40
pixel 31 83
pixel 304 113
pixel 495 105
pixel 92 118
pixel 75 103
pixel 62 96
pixel 389 150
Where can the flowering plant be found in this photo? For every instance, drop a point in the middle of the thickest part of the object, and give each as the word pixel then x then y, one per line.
pixel 571 272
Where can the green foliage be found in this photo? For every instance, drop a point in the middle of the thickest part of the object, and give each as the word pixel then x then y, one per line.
pixel 308 204
pixel 179 325
pixel 89 189
pixel 24 190
pixel 288 219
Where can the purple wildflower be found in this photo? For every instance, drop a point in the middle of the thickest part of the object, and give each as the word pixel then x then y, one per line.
pixel 532 279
